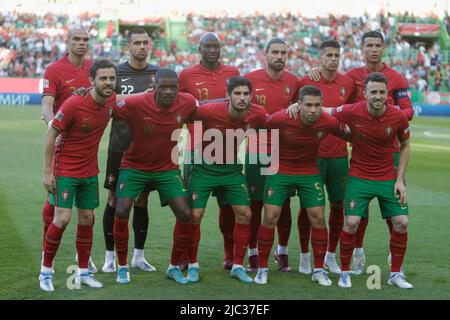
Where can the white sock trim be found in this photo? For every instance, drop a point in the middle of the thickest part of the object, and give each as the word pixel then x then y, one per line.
pixel 252 252
pixel 282 250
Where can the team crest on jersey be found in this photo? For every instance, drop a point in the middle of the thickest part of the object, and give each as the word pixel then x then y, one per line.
pixel 46 83
pixel 343 91
pixel 270 192
pixel 121 103
pixel 287 89
pixel 65 195
pixel 148 127
pixel 122 185
pixel 179 117
pixel 388 130
pixel 59 116
pixel 352 204
pixel 320 134
pixel 194 196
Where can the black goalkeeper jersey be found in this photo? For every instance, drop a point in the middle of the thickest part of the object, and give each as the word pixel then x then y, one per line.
pixel 129 80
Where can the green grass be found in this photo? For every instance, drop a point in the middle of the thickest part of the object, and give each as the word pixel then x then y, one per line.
pixel 22 196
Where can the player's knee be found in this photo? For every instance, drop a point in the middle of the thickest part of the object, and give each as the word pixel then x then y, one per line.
pixel 122 212
pixel 401 225
pixel 351 226
pixel 61 221
pixel 184 215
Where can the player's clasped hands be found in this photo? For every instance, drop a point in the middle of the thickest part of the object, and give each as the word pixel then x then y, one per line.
pixel 49 182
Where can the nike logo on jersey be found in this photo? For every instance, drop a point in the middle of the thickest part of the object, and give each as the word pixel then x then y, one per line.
pixel 199 83
pixel 125 79
pixel 69 81
pixel 259 89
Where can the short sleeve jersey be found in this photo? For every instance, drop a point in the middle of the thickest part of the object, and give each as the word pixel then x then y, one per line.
pixel 129 80
pixel 335 93
pixel 154 130
pixel 299 143
pixel 372 139
pixel 62 78
pixel 81 122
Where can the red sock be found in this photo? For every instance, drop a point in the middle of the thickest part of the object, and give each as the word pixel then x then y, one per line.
pixel 265 242
pixel 84 245
pixel 390 225
pixel 399 242
pixel 193 245
pixel 304 230
pixel 52 241
pixel 48 212
pixel 348 242
pixel 241 238
pixel 319 246
pixel 181 241
pixel 284 224
pixel 121 234
pixel 255 222
pixel 361 232
pixel 335 222
pixel 226 224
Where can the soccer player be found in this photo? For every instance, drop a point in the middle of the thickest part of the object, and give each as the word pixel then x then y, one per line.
pixel 375 124
pixel 274 89
pixel 61 79
pixel 207 81
pixel 133 76
pixel 337 89
pixel 299 145
pixel 155 120
pixel 222 172
pixel 70 170
pixel 373 46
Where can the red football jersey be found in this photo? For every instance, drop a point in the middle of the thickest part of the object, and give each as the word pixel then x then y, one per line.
pixel 62 78
pixel 299 143
pixel 372 139
pixel 272 94
pixel 81 122
pixel 153 130
pixel 205 84
pixel 335 93
pixel 215 115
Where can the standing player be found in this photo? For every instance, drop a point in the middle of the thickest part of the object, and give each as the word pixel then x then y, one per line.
pixel 207 81
pixel 372 46
pixel 61 79
pixel 274 89
pixel 155 120
pixel 299 145
pixel 337 89
pixel 133 76
pixel 221 172
pixel 375 125
pixel 70 171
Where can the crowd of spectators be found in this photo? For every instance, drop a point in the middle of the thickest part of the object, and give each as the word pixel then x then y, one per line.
pixel 28 43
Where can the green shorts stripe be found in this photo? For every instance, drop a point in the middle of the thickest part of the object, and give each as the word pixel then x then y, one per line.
pixel 360 192
pixel 279 187
pixel 169 184
pixel 83 192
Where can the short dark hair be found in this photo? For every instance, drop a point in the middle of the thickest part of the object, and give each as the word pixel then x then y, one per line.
pixel 330 44
pixel 375 77
pixel 309 91
pixel 135 31
pixel 275 40
pixel 101 64
pixel 372 34
pixel 165 73
pixel 234 82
